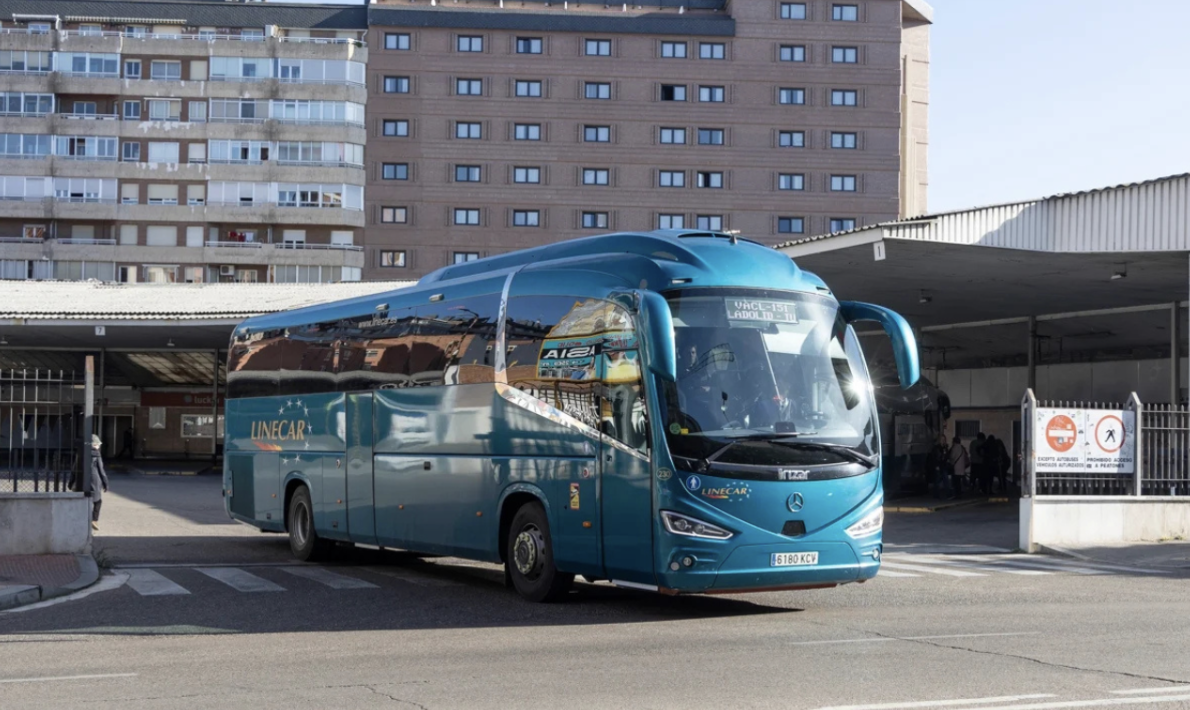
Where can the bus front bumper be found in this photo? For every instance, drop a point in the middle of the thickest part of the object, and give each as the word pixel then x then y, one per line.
pixel 751 567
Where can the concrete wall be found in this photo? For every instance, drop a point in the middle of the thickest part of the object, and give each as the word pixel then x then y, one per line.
pixel 44 523
pixel 1078 521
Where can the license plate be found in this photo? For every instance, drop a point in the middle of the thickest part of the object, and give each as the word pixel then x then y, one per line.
pixel 793 559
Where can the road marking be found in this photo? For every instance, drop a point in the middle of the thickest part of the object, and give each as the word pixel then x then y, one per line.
pixel 931 570
pixel 985 567
pixel 240 580
pixel 940 703
pixel 1166 689
pixel 148 583
pixel 330 579
pixel 880 639
pixel 105 584
pixel 1051 566
pixel 1095 703
pixel 421 580
pixel 68 677
pixel 889 573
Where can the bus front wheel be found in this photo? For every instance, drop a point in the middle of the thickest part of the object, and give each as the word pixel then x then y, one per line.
pixel 530 559
pixel 303 540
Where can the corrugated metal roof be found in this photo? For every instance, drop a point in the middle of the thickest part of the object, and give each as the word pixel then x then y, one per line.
pixel 197 13
pixel 717 25
pixel 1151 215
pixel 92 300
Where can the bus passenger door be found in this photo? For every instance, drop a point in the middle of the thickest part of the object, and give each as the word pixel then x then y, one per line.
pixel 626 480
pixel 361 516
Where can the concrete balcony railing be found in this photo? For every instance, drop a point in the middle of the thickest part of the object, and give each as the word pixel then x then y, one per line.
pixel 259 213
pixel 26 208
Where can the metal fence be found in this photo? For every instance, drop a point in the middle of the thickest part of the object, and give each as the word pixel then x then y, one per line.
pixel 40 429
pixel 1165 442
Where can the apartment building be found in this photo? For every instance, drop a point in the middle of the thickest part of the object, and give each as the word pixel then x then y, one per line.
pixel 494 126
pixel 181 141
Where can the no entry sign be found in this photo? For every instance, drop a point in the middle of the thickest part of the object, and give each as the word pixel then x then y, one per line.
pixel 1084 440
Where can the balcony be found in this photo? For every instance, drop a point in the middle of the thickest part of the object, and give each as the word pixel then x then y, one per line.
pixel 318 247
pixel 89 116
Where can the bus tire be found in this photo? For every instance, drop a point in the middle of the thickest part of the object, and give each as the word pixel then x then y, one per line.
pixel 303 540
pixel 530 559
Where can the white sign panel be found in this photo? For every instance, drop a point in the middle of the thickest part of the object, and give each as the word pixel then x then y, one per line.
pixel 1084 441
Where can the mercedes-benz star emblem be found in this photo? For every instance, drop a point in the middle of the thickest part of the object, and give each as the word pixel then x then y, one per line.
pixel 796 501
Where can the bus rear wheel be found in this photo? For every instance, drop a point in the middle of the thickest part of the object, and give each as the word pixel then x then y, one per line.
pixel 303 540
pixel 530 557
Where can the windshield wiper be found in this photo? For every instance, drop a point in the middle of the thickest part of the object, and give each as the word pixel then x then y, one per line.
pixel 785 440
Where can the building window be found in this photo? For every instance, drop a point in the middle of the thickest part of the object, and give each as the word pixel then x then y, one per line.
pixel 673 50
pixel 595 220
pixel 528 88
pixel 712 50
pixel 462 257
pixel 844 97
pixel 845 13
pixel 526 218
pixel 470 131
pixel 596 176
pixel 131 152
pixel 842 183
pixel 791 225
pixel 673 92
pixel 598 48
pixel 793 11
pixel 791 139
pixel 710 136
pixel 844 55
pixel 466 173
pixel 392 259
pixel 394 171
pixel 791 181
pixel 469 43
pixel 710 179
pixel 597 134
pixel 169 71
pixel 132 69
pixel 396 128
pixel 845 141
pixel 528 45
pixel 526 175
pixel 793 53
pixel 792 96
pixel 710 94
pixel 842 224
pixel 671 178
pixel 396 40
pixel 132 110
pixel 469 87
pixel 673 136
pixel 527 132
pixel 671 221
pixel 710 221
pixel 394 215
pixel 467 218
pixel 396 85
pixel 597 90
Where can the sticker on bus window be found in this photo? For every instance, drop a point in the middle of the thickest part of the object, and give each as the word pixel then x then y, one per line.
pixel 574 496
pixel 760 310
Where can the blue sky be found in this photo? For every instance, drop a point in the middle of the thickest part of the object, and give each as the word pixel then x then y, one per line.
pixel 1035 97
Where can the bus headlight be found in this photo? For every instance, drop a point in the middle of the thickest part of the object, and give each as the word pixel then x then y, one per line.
pixel 679 524
pixel 871 524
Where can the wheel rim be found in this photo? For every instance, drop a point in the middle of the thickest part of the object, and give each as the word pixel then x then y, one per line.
pixel 528 552
pixel 301 523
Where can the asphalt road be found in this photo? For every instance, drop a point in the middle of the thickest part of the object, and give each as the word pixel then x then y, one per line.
pixel 196 611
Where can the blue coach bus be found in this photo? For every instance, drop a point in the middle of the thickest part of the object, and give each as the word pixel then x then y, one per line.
pixel 679 411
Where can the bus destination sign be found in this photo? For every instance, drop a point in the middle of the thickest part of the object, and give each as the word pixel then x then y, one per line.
pixel 758 309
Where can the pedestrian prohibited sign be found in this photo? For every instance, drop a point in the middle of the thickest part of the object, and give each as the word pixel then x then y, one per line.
pixel 1084 440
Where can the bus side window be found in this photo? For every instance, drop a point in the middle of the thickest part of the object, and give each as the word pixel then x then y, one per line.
pixel 253 364
pixel 374 356
pixel 447 333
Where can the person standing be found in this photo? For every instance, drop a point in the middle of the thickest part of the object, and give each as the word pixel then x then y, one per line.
pixel 129 444
pixel 979 460
pixel 958 461
pixel 98 480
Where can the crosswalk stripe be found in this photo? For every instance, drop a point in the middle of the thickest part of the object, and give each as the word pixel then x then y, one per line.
pixel 931 570
pixel 148 583
pixel 889 573
pixel 240 580
pixel 1051 565
pixel 987 567
pixel 421 580
pixel 329 578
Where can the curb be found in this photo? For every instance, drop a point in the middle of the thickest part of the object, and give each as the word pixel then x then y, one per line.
pixel 933 509
pixel 31 594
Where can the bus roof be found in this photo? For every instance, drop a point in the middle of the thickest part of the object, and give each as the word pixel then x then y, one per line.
pixel 661 260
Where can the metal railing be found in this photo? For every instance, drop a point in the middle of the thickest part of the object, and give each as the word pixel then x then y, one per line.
pixel 95 242
pixel 1165 432
pixel 238 245
pixel 90 116
pixel 324 40
pixel 39 430
pixel 318 247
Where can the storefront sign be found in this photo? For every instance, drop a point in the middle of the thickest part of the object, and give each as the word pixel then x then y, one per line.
pixel 1084 440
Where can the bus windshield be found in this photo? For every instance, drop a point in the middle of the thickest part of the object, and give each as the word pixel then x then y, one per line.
pixel 766 378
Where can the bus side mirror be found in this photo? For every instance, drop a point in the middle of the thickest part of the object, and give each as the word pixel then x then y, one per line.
pixel 657 325
pixel 903 342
